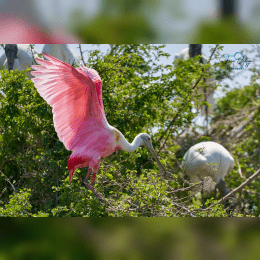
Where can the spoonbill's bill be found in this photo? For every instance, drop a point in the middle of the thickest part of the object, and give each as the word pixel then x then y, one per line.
pixel 78 114
pixel 208 159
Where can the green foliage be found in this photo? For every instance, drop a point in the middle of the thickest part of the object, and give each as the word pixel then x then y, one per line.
pixel 235 100
pixel 18 206
pixel 139 94
pixel 246 149
pixel 136 21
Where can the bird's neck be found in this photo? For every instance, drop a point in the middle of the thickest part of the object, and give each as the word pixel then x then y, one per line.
pixel 126 146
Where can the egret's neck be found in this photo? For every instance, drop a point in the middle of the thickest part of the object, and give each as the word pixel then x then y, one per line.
pixel 126 146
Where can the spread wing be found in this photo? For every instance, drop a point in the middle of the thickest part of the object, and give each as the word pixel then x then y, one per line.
pixel 78 112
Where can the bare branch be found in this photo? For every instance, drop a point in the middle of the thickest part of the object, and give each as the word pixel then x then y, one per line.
pixel 236 190
pixel 7 179
pixel 239 188
pixel 81 54
pixel 239 170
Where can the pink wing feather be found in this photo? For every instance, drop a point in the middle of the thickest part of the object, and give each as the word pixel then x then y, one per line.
pixel 78 113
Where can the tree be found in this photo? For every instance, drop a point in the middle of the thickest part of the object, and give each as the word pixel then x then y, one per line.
pixel 139 94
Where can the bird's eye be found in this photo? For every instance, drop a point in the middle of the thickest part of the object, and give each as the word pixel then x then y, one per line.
pixel 149 138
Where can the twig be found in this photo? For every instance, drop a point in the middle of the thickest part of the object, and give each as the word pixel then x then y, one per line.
pixel 186 189
pixel 239 170
pixel 6 178
pixel 252 192
pixel 239 188
pixel 236 190
pixel 183 207
pixel 81 54
pixel 31 48
pixel 236 130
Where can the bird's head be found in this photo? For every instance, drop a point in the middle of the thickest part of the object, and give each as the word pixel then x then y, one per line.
pixel 146 141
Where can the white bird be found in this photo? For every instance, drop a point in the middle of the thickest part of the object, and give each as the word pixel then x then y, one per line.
pixel 17 56
pixel 62 52
pixel 208 159
pixel 184 54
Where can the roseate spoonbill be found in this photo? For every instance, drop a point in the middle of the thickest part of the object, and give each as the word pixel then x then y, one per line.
pixel 62 52
pixel 23 22
pixel 208 159
pixel 78 114
pixel 17 56
pixel 185 54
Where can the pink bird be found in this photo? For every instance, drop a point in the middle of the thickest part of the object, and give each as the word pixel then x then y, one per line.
pixel 75 96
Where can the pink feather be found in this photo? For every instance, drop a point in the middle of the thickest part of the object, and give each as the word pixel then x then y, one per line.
pixel 78 113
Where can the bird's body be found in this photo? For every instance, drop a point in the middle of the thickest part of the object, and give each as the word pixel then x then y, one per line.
pixel 184 54
pixel 208 159
pixel 62 52
pixel 78 114
pixel 22 60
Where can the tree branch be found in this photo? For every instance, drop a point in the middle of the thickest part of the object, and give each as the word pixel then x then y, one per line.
pixel 239 188
pixel 182 106
pixel 81 54
pixel 236 190
pixel 7 179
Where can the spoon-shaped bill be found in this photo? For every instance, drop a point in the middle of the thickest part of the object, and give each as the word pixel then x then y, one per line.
pixel 149 146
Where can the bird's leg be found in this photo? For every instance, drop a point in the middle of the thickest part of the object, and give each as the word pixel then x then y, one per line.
pixel 87 176
pixel 95 169
pixel 93 178
pixel 90 186
pixel 202 195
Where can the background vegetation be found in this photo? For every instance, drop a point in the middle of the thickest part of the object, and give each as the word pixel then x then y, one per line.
pixel 146 21
pixel 139 94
